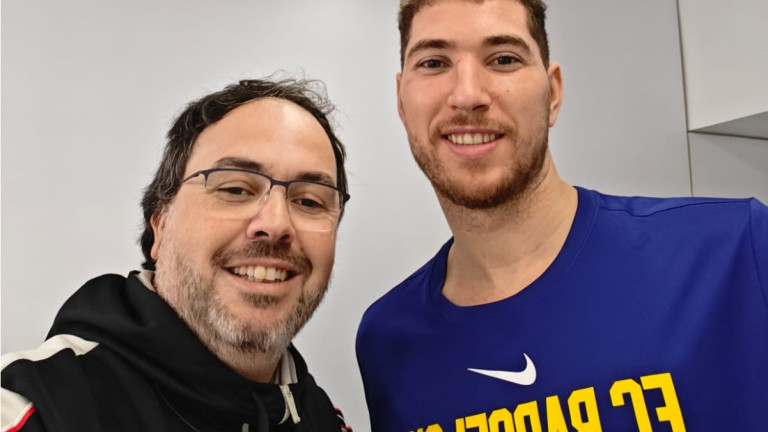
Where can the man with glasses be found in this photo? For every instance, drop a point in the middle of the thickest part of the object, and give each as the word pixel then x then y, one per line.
pixel 553 307
pixel 239 238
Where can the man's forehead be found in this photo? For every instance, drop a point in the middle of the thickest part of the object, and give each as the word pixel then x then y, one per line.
pixel 276 134
pixel 268 119
pixel 448 18
pixel 255 109
pixel 446 23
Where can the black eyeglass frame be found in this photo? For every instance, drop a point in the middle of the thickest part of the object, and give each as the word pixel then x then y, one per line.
pixel 272 182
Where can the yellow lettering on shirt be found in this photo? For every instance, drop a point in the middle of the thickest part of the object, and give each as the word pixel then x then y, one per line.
pixel 555 418
pixel 582 409
pixel 619 391
pixel 584 397
pixel 529 410
pixel 671 411
pixel 501 417
pixel 478 422
pixel 430 428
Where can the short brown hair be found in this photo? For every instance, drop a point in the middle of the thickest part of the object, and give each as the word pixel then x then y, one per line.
pixel 536 17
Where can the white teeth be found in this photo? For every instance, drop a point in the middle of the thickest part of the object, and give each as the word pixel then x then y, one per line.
pixel 261 273
pixel 470 139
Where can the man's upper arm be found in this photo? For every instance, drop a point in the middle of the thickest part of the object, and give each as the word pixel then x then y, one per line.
pixel 17 413
pixel 23 381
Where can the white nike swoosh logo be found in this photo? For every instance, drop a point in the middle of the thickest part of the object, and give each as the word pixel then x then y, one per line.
pixel 525 377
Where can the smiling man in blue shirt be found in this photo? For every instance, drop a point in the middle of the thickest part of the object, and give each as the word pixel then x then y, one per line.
pixel 553 307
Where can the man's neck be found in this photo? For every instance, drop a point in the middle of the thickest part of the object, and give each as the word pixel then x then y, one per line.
pixel 498 252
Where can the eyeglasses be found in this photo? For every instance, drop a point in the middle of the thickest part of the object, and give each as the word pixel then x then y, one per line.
pixel 236 193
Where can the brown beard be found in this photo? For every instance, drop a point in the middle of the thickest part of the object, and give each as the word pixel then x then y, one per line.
pixel 520 177
pixel 195 301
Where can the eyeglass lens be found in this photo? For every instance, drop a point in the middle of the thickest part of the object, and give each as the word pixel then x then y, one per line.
pixel 241 194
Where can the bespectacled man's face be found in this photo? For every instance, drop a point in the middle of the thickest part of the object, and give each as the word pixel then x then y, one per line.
pixel 247 280
pixel 477 100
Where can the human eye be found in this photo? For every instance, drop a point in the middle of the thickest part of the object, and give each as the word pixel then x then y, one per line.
pixel 432 63
pixel 234 186
pixel 504 61
pixel 235 193
pixel 234 190
pixel 309 204
pixel 312 198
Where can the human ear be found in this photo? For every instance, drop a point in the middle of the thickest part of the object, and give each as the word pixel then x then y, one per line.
pixel 158 222
pixel 399 77
pixel 555 91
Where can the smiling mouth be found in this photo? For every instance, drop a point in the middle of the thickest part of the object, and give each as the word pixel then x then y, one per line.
pixel 472 138
pixel 261 273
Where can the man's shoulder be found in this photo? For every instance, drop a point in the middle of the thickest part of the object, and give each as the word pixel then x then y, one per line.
pixel 110 280
pixel 643 206
pixel 693 223
pixel 58 358
pixel 18 413
pixel 60 349
pixel 704 211
pixel 101 287
pixel 415 285
pixel 54 368
pixel 71 344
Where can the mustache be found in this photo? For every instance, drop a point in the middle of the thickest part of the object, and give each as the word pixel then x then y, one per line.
pixel 478 120
pixel 260 249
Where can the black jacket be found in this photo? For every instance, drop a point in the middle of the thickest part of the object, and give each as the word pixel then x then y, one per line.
pixel 131 364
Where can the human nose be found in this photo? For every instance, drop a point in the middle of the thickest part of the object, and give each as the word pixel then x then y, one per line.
pixel 469 92
pixel 272 222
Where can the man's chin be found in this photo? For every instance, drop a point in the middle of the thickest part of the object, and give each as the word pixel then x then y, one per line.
pixel 259 321
pixel 252 337
pixel 471 196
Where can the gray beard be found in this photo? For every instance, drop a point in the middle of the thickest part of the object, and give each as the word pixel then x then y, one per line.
pixel 196 303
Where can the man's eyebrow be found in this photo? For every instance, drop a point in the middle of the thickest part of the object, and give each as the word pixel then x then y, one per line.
pixel 426 44
pixel 317 177
pixel 248 164
pixel 490 41
pixel 517 41
pixel 241 163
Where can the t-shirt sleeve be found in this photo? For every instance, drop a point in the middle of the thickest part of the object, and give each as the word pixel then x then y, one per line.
pixel 759 222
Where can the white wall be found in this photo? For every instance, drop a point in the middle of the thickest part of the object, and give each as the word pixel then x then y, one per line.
pixel 622 127
pixel 725 47
pixel 90 87
pixel 725 53
pixel 729 166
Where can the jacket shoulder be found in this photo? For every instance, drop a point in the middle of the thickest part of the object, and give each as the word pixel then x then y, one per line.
pixel 40 374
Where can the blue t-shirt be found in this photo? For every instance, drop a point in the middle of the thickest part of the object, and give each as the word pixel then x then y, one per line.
pixel 653 317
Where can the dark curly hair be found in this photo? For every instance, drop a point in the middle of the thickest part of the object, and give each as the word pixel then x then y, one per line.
pixel 201 113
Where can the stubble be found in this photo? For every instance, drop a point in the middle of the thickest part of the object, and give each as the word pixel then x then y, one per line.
pixel 194 299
